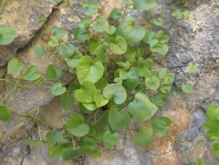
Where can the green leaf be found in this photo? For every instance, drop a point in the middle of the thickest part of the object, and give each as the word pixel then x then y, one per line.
pixel 131 33
pixel 58 32
pixel 102 121
pixel 165 89
pixel 57 1
pixel 163 73
pixel 54 137
pixel 55 151
pixel 54 42
pixel 84 22
pixel 109 38
pixel 192 68
pixel 57 89
pixel 89 143
pixel 111 30
pixel 5 113
pixel 187 88
pixel 162 37
pixel 74 59
pixel 212 112
pixel 95 154
pixel 160 48
pixel 159 125
pixel 69 153
pixel 42 20
pixel 81 34
pixel 133 80
pixel 142 63
pixel 143 138
pixel 102 83
pixel 144 4
pixel 76 126
pixel 93 44
pixel 89 70
pixel 141 108
pixel 115 14
pixel 38 51
pixel 53 73
pixel 33 142
pixel 102 24
pixel 92 131
pixel 99 135
pixel 120 45
pixel 152 83
pixel 99 99
pixel 31 74
pixel 177 14
pixel 126 65
pixel 199 161
pixel 148 37
pixel 186 13
pixel 14 66
pixel 90 106
pixel 90 8
pixel 127 2
pixel 215 149
pixel 159 21
pixel 118 120
pixel 117 91
pixel 139 88
pixel 66 51
pixel 158 99
pixel 67 100
pixel 211 124
pixel 143 71
pixel 7 34
pixel 133 53
pixel 101 50
pixel 81 107
pixel 176 95
pixel 86 93
pixel 110 139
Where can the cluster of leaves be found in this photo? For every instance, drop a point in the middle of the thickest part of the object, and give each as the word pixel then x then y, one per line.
pixel 95 89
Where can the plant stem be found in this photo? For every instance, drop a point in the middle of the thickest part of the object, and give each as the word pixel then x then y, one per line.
pixel 6 95
pixel 95 115
pixel 125 12
pixel 73 9
pixel 181 82
pixel 162 8
pixel 71 139
pixel 2 6
pixel 173 25
pixel 15 91
pixel 39 130
pixel 9 75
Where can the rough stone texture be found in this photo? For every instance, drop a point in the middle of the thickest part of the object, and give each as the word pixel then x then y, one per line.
pixel 189 42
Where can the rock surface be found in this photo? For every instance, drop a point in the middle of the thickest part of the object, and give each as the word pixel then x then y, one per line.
pixel 196 41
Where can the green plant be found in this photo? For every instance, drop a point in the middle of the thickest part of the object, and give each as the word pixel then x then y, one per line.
pixel 125 95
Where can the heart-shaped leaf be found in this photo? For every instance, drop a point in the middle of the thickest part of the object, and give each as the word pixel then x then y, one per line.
pixel 177 14
pixel 102 83
pixel 118 120
pixel 133 53
pixel 84 22
pixel 131 33
pixel 139 88
pixel 115 14
pixel 212 112
pixel 74 59
pixel 86 93
pixel 76 126
pixel 152 83
pixel 66 51
pixel 99 99
pixel 148 63
pixel 38 51
pixel 95 154
pixel 159 125
pixel 176 95
pixel 127 2
pixel 54 42
pixel 117 91
pixel 81 107
pixel 144 4
pixel 110 139
pixel 55 151
pixel 165 89
pixel 58 32
pixel 81 34
pixel 162 37
pixel 120 45
pixel 101 50
pixel 186 13
pixel 158 99
pixel 31 74
pixel 141 108
pixel 14 66
pixel 187 88
pixel 143 138
pixel 7 34
pixel 192 68
pixel 90 8
pixel 102 24
pixel 148 37
pixel 57 89
pixel 99 135
pixel 54 137
pixel 93 44
pixel 102 121
pixel 90 106
pixel 109 38
pixel 69 153
pixel 126 65
pixel 89 70
pixel 87 143
pixel 53 73
pixel 133 80
pixel 160 48
pixel 111 30
pixel 159 21
pixel 33 143
pixel 215 149
pixel 199 161
pixel 74 86
pixel 5 113
pixel 67 100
